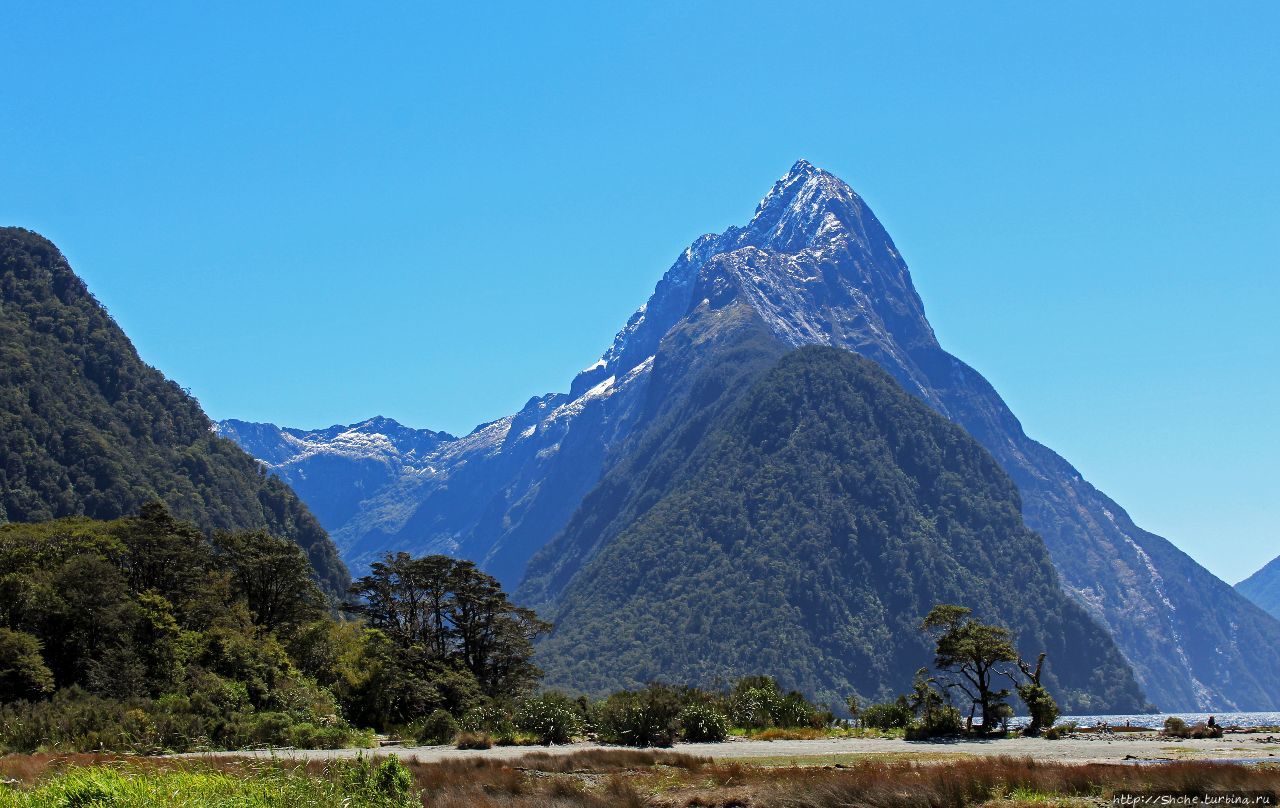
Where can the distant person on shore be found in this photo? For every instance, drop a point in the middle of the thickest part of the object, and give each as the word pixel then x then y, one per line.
pixel 1211 723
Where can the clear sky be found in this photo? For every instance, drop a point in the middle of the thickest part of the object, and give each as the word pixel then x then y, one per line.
pixel 312 214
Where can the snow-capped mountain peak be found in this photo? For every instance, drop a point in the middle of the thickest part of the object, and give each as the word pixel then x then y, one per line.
pixel 814 262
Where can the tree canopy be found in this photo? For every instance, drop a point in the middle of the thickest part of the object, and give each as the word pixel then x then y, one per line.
pixel 444 614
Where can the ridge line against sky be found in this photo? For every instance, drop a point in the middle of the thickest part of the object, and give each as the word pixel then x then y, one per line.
pixel 314 216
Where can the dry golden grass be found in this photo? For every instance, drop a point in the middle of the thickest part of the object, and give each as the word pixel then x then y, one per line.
pixel 659 779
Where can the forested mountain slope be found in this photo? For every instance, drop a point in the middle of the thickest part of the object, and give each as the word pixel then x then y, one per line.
pixel 806 531
pixel 88 429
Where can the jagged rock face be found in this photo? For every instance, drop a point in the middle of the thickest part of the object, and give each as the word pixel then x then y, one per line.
pixel 1263 588
pixel 815 265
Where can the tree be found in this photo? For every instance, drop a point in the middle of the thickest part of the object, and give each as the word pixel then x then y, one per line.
pixel 444 615
pixel 406 598
pixel 163 554
pixel 1041 706
pixel 23 674
pixel 494 638
pixel 274 577
pixel 971 652
pixel 134 634
pixel 932 707
pixel 854 707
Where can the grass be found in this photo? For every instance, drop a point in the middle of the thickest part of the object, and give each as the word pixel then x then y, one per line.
pixel 145 783
pixel 844 760
pixel 123 788
pixel 600 778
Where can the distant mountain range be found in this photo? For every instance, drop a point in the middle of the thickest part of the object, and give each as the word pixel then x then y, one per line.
pixel 814 267
pixel 335 469
pixel 1263 587
pixel 89 429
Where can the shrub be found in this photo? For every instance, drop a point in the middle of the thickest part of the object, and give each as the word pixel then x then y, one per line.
pixel 552 717
pixel 489 719
pixel 793 710
pixel 938 721
pixel 889 715
pixel 649 717
pixel 700 723
pixel 474 740
pixel 1177 728
pixel 316 736
pixel 757 702
pixel 436 729
pixel 23 674
pixel 76 721
pixel 386 783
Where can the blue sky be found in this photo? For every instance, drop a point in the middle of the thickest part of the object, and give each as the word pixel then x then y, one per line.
pixel 311 214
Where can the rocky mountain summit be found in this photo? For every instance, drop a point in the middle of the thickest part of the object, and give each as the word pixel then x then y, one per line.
pixel 815 266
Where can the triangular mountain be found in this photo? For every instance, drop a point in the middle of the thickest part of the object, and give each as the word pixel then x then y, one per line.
pixel 806 530
pixel 816 267
pixel 87 428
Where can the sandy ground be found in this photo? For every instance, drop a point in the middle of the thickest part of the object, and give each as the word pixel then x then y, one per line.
pixel 1081 749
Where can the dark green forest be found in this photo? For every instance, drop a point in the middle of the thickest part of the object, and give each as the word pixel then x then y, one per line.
pixel 807 532
pixel 88 429
pixel 139 633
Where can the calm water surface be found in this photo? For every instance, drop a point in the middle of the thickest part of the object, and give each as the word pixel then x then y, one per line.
pixel 1156 721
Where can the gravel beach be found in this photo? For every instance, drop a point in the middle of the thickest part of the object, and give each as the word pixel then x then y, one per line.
pixel 1120 747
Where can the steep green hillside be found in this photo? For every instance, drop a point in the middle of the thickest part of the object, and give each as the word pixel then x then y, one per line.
pixel 805 532
pixel 87 428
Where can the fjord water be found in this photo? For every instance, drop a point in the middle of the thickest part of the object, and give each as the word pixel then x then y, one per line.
pixel 1156 720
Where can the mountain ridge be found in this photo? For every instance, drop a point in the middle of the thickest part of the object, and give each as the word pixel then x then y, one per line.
pixel 87 428
pixel 1263 587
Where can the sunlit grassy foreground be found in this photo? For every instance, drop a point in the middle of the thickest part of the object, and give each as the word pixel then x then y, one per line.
pixel 382 784
pixel 599 779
